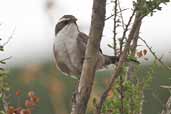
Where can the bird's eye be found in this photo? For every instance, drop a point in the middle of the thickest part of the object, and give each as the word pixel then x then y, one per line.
pixel 66 22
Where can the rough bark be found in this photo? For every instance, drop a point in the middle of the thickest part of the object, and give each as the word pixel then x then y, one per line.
pixel 167 108
pixel 79 105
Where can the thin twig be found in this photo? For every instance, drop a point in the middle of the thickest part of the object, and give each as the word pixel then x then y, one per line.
pixel 115 13
pixel 126 30
pixel 131 66
pixel 121 94
pixel 10 37
pixel 114 28
pixel 122 19
pixel 155 56
pixel 115 53
pixel 5 59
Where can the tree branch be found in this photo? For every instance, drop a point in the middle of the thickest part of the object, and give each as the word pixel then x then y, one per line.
pixel 122 19
pixel 131 65
pixel 79 105
pixel 116 13
pixel 10 37
pixel 155 56
pixel 114 28
pixel 121 62
pixel 126 30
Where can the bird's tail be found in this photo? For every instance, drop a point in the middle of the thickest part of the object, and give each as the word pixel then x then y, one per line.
pixel 111 59
pixel 115 59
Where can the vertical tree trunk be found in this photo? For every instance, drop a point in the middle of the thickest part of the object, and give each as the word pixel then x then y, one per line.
pixel 79 105
pixel 167 108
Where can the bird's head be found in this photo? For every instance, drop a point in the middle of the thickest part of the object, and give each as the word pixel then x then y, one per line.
pixel 67 19
pixel 63 21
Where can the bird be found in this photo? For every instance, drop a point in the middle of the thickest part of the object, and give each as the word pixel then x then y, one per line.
pixel 70 45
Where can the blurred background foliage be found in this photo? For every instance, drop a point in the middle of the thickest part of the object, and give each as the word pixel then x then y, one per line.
pixel 55 89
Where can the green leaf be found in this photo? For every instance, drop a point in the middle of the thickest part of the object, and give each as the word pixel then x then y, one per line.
pixel 159 8
pixel 94 101
pixel 1 48
pixel 1 69
pixel 2 112
pixel 133 59
pixel 2 74
pixel 2 62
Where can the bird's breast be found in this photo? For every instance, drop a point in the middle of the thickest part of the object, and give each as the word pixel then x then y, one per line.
pixel 65 45
pixel 67 37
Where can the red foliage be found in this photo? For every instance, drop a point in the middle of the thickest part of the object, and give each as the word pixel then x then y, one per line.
pixel 17 93
pixel 30 103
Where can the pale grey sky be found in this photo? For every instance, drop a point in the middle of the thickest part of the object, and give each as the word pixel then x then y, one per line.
pixel 34 31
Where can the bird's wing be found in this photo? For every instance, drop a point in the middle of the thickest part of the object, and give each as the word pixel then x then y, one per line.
pixel 82 42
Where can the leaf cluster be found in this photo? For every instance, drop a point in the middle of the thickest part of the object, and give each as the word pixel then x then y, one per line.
pixel 132 92
pixel 3 74
pixel 146 7
pixel 4 86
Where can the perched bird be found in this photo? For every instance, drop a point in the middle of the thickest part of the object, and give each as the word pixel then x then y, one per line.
pixel 70 45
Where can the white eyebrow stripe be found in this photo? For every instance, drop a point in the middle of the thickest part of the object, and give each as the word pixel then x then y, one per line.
pixel 64 19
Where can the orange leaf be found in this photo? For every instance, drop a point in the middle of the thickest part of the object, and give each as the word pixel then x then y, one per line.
pixel 17 93
pixel 139 54
pixel 17 110
pixel 110 94
pixel 11 110
pixel 34 99
pixel 25 111
pixel 29 103
pixel 144 51
pixel 31 93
